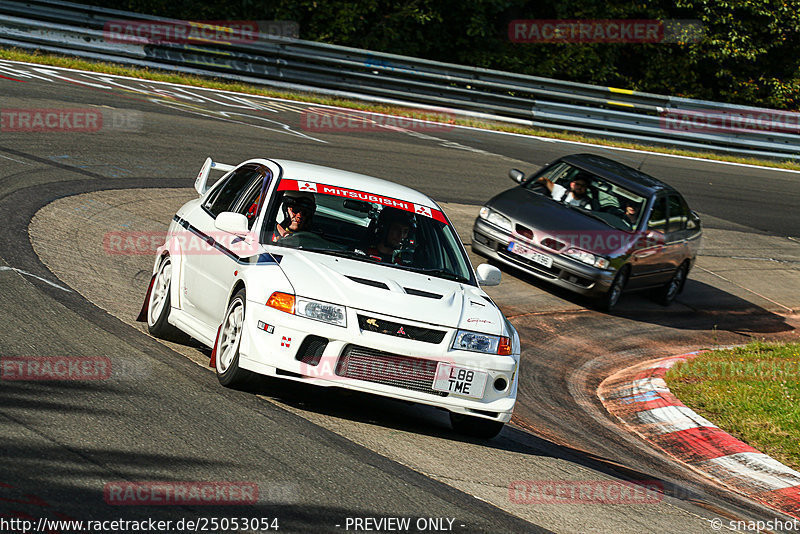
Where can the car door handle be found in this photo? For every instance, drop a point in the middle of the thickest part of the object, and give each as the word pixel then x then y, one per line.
pixel 648 252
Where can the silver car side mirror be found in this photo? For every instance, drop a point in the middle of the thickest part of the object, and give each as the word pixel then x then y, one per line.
pixel 488 275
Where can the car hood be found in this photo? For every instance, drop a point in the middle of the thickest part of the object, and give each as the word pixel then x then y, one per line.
pixel 547 218
pixel 391 291
pixel 542 212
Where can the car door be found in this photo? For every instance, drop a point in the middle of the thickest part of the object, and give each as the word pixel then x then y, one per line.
pixel 679 231
pixel 209 265
pixel 648 262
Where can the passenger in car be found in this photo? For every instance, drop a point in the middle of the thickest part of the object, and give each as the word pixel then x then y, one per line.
pixel 392 228
pixel 298 211
pixel 576 195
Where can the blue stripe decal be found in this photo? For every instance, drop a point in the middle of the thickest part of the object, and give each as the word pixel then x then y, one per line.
pixel 265 258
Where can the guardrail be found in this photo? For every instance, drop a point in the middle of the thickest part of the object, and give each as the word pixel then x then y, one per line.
pixel 76 29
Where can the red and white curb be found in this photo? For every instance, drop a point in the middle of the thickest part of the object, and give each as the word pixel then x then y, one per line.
pixel 640 398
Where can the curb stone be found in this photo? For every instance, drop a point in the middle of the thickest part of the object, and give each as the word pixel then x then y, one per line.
pixel 640 398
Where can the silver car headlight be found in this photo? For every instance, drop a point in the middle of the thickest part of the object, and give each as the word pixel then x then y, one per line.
pixel 486 343
pixel 321 311
pixel 495 218
pixel 588 258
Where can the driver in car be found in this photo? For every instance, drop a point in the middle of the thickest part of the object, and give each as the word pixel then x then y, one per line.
pixel 392 228
pixel 298 211
pixel 575 195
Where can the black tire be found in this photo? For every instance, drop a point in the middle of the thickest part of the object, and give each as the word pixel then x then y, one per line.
pixel 475 427
pixel 159 304
pixel 667 294
pixel 609 301
pixel 227 367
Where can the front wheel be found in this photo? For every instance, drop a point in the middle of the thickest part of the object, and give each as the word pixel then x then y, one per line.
pixel 666 295
pixel 229 373
pixel 159 304
pixel 610 300
pixel 475 427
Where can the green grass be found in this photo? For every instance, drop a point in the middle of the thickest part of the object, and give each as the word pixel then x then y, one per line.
pixel 216 83
pixel 751 392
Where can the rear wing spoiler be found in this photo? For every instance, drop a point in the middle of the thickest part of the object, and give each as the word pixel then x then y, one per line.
pixel 201 182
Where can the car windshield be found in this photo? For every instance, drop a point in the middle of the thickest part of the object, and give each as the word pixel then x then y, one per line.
pixel 596 197
pixel 378 229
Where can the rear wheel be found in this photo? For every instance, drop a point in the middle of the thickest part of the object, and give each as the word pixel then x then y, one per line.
pixel 229 373
pixel 159 305
pixel 666 295
pixel 475 427
pixel 609 301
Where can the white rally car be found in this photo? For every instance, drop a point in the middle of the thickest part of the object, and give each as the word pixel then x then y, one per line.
pixel 333 278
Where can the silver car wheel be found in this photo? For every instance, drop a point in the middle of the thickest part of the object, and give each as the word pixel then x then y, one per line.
pixel 159 293
pixel 230 335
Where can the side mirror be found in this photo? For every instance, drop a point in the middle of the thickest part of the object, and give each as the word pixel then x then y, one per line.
pixel 233 223
pixel 516 175
pixel 488 275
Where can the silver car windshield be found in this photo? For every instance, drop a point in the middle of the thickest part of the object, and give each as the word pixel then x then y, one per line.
pixel 616 206
pixel 369 232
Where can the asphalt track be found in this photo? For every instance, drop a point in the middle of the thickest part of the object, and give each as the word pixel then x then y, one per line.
pixel 320 457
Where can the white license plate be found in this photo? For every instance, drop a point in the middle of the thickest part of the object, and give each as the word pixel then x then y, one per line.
pixel 531 254
pixel 460 380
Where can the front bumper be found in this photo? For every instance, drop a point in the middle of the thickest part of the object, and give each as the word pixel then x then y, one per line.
pixel 309 351
pixel 492 242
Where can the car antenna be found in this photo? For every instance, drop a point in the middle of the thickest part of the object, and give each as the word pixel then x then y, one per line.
pixel 642 162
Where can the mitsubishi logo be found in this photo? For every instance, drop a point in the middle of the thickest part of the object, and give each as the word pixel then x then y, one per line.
pixel 401 332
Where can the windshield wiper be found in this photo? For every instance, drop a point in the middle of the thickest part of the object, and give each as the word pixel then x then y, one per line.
pixel 593 215
pixel 443 274
pixel 341 253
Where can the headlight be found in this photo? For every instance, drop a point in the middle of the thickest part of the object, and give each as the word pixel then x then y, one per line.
pixel 587 257
pixel 477 342
pixel 495 218
pixel 321 311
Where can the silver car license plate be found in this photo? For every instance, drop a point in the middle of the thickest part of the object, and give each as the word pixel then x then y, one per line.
pixel 530 253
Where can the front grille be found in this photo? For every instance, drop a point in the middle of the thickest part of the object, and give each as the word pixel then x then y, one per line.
pixel 362 363
pixel 311 349
pixel 390 328
pixel 552 244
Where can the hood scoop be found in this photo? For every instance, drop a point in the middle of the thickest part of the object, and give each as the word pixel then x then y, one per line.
pixel 368 282
pixel 421 293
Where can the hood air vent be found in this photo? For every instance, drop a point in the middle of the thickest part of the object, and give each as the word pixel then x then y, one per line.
pixel 367 282
pixel 421 293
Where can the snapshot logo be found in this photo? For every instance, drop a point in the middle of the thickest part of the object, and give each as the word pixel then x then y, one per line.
pixel 148 243
pixel 70 120
pixel 585 492
pixel 180 493
pixel 604 31
pixel 55 368
pixel 730 121
pixel 331 120
pixel 196 32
